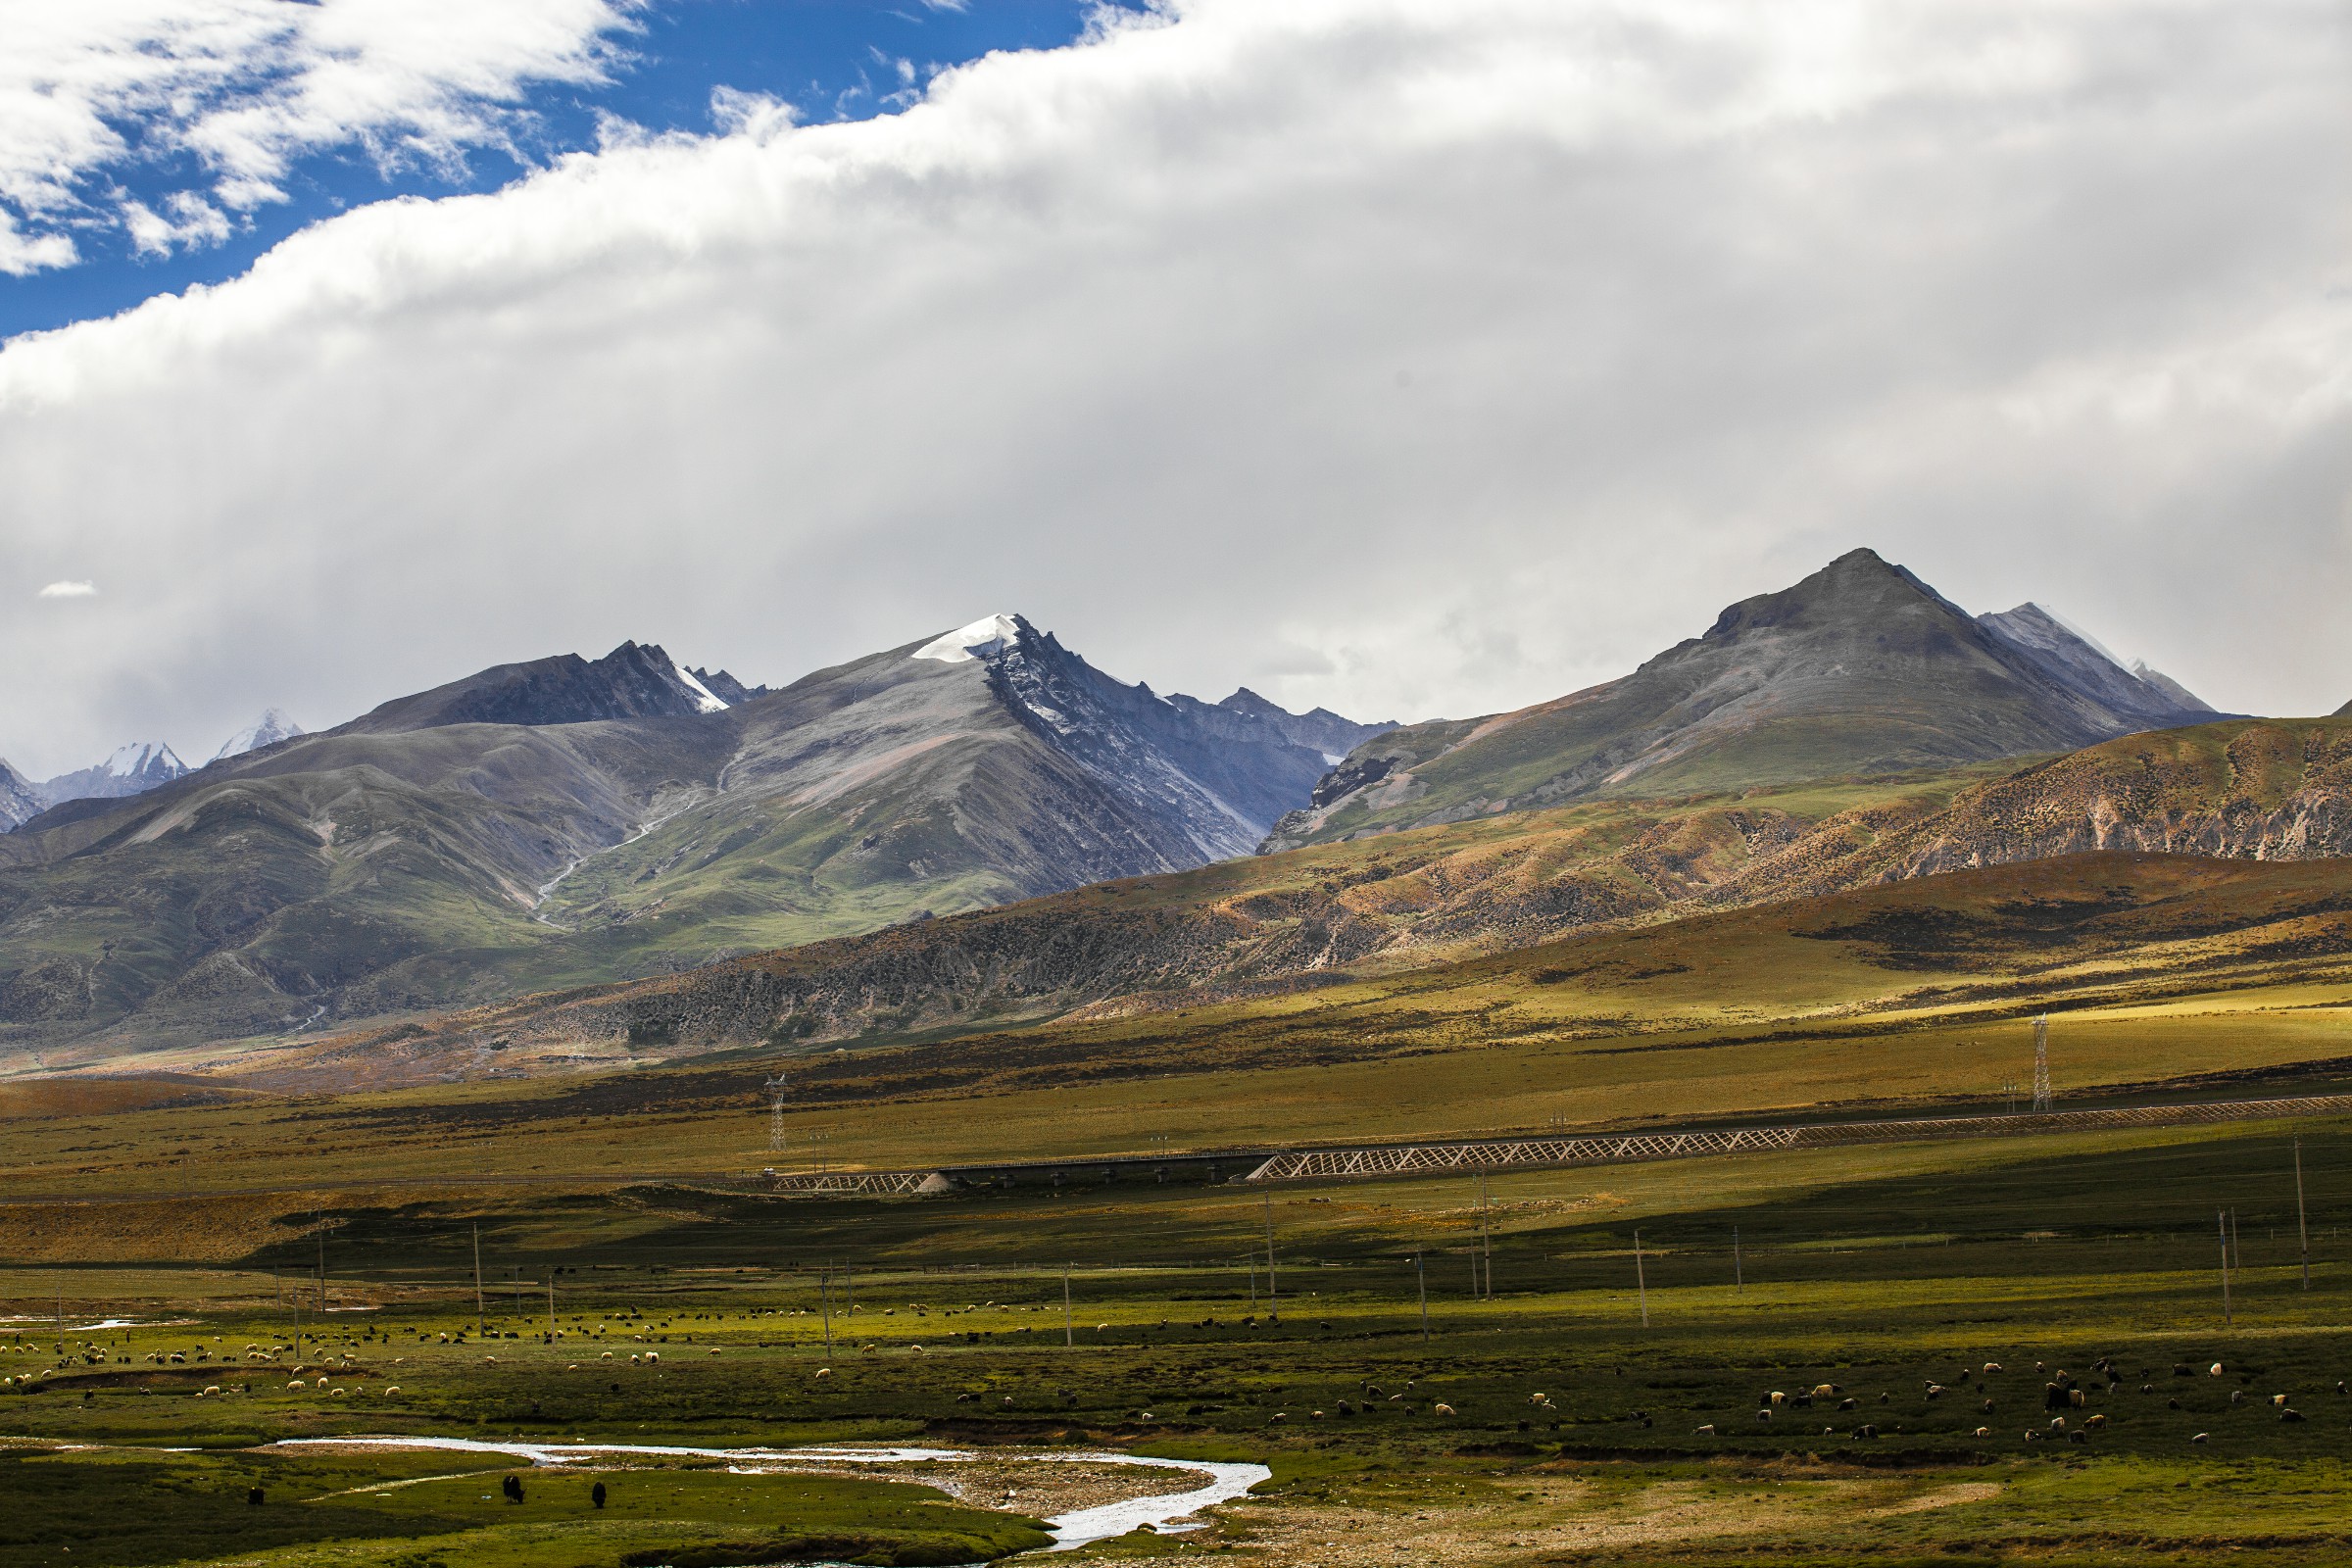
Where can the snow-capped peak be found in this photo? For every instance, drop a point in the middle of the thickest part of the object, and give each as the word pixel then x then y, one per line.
pixel 268 730
pixel 142 759
pixel 983 638
pixel 705 701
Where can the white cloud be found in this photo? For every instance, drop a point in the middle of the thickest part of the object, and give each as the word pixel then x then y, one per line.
pixel 245 87
pixel 1412 355
pixel 68 590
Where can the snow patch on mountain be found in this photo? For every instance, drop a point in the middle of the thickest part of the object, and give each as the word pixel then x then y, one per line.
pixel 984 638
pixel 705 700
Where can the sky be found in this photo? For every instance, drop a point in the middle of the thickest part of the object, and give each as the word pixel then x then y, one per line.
pixel 1407 356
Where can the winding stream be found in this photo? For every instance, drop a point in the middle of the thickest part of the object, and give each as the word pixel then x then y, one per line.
pixel 1225 1481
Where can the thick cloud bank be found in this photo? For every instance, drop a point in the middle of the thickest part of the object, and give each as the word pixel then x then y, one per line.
pixel 1411 357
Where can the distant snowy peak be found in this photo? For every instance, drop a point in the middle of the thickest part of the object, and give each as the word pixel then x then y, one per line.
pixel 2081 665
pixel 984 638
pixel 132 769
pixel 268 730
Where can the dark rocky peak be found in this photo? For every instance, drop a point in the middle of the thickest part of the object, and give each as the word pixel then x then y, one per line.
pixel 1319 729
pixel 1859 591
pixel 1221 773
pixel 633 681
pixel 2344 711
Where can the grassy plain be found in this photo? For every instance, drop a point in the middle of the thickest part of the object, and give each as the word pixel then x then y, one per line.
pixel 1883 1271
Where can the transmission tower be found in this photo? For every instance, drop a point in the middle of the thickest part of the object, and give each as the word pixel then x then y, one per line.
pixel 2042 1063
pixel 776 1113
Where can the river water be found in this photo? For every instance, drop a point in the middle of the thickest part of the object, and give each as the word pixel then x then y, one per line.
pixel 1222 1482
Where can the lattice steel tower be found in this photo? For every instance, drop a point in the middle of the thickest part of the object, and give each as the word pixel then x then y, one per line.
pixel 776 1113
pixel 2042 1063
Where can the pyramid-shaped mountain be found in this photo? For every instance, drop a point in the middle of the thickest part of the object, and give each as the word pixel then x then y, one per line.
pixel 1861 668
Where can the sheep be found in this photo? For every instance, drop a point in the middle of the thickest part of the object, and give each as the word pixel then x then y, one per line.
pixel 2214 1371
pixel 1764 1414
pixel 1827 1390
pixel 715 1350
pixel 1849 1403
pixel 607 1355
pixel 1991 1368
pixel 2202 1437
pixel 335 1393
pixel 2290 1413
pixel 1277 1416
pixel 1444 1409
pixel 2095 1421
pixel 1984 1432
pixel 297 1383
pixel 1775 1397
pixel 2057 1423
pixel 2279 1400
pixel 652 1356
pixel 391 1391
pixel 209 1392
pixel 2238 1396
pixel 1708 1431
pixel 824 1371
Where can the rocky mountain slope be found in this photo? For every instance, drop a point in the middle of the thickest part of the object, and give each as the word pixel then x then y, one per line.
pixel 2247 789
pixel 1861 668
pixel 19 797
pixel 567 820
pixel 1293 923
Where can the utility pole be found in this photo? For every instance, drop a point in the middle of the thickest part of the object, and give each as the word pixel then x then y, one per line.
pixel 480 1313
pixel 2302 1224
pixel 2224 1221
pixel 1640 1285
pixel 1069 1336
pixel 1421 1279
pixel 1738 1280
pixel 1273 1301
pixel 1485 1234
pixel 775 1112
pixel 2041 1063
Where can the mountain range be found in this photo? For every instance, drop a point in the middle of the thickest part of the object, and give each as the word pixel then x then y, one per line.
pixel 567 821
pixel 572 823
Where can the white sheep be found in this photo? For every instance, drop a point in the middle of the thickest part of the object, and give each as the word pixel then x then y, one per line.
pixel 297 1383
pixel 1444 1409
pixel 824 1371
pixel 652 1356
